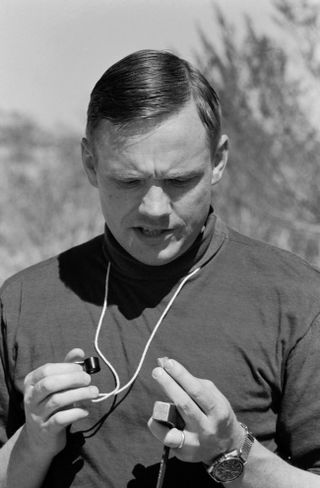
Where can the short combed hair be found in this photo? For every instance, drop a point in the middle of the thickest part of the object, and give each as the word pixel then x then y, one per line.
pixel 152 85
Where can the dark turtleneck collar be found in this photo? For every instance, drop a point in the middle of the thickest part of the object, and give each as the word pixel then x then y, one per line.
pixel 203 249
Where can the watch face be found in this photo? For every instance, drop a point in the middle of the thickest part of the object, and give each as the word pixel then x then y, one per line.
pixel 228 469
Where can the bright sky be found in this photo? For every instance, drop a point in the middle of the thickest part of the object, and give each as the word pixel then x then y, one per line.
pixel 53 51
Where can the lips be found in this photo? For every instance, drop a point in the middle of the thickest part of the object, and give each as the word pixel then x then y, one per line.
pixel 152 232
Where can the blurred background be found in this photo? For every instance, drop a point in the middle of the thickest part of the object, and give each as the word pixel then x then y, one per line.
pixel 262 56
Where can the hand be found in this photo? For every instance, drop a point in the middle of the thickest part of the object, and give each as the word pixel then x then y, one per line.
pixel 211 426
pixel 51 396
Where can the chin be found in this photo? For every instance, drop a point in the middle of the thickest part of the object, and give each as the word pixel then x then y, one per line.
pixel 160 259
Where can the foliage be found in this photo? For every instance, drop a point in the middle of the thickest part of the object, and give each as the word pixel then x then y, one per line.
pixel 46 204
pixel 271 190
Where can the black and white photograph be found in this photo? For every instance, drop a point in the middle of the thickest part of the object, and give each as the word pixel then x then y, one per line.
pixel 159 243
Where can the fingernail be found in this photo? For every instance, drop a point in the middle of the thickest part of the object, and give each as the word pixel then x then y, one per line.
pixel 169 364
pixel 94 391
pixel 157 372
pixel 162 361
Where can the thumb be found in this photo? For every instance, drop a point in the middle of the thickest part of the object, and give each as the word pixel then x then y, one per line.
pixel 75 354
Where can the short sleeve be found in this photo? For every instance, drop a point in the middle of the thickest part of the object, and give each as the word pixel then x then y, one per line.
pixel 11 409
pixel 4 380
pixel 298 428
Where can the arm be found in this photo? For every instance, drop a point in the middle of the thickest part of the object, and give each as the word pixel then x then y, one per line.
pixel 20 465
pixel 212 429
pixel 265 470
pixel 50 394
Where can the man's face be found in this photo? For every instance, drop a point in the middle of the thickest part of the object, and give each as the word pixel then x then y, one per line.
pixel 154 187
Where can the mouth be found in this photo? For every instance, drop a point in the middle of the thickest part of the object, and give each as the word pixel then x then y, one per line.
pixel 152 232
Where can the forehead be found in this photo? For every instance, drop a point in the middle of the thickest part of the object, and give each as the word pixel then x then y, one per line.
pixel 179 141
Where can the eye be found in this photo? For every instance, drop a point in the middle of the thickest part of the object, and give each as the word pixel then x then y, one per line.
pixel 181 182
pixel 129 183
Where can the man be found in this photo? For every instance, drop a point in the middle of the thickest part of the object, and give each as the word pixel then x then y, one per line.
pixel 168 296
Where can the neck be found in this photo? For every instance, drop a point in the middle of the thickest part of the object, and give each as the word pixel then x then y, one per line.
pixel 123 263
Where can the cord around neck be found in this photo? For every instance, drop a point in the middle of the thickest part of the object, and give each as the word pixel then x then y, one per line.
pixel 118 388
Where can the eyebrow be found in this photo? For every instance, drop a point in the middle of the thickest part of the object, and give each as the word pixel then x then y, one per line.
pixel 174 174
pixel 181 174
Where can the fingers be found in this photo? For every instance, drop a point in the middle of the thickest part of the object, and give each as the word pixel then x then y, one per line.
pixel 50 369
pixel 54 397
pixel 211 426
pixel 68 366
pixel 75 354
pixel 188 409
pixel 57 386
pixel 170 437
pixel 64 418
pixel 67 399
pixel 178 383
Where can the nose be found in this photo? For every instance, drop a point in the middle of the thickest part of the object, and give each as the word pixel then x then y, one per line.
pixel 155 202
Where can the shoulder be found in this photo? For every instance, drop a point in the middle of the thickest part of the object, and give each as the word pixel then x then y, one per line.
pixel 49 272
pixel 265 255
pixel 273 270
pixel 281 287
pixel 38 299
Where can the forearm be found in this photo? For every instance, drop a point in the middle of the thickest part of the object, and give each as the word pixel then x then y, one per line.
pixel 266 470
pixel 21 466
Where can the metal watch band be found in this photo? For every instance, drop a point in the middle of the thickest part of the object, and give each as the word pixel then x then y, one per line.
pixel 247 443
pixel 229 466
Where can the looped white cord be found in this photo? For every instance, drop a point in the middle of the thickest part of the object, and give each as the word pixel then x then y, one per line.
pixel 118 389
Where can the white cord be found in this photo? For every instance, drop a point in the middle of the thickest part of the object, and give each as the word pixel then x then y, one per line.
pixel 118 388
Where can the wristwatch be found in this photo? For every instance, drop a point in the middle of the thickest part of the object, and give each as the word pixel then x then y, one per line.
pixel 230 466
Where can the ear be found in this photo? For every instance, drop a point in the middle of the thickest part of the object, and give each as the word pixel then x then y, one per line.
pixel 220 159
pixel 89 162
